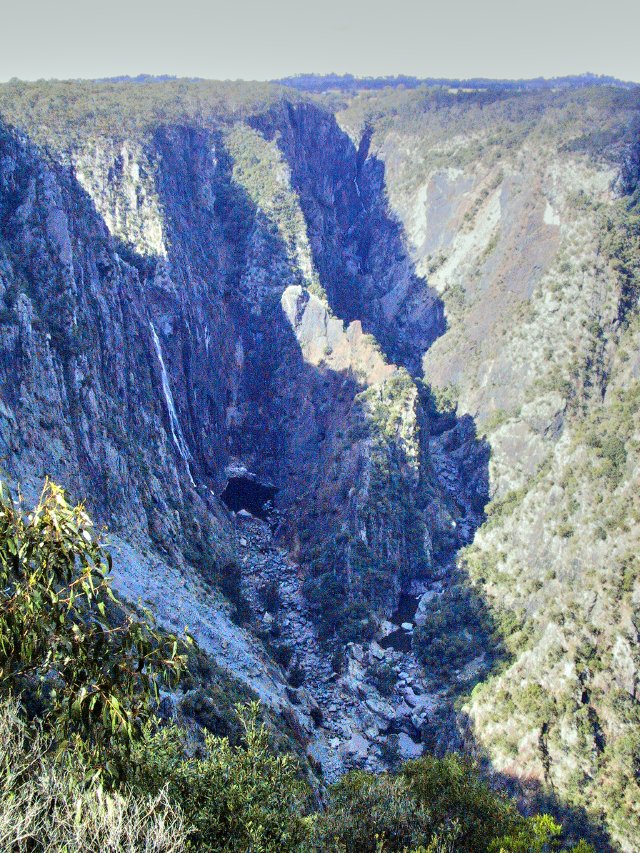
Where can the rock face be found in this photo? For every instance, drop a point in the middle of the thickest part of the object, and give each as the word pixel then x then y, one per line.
pixel 247 296
pixel 194 305
pixel 527 228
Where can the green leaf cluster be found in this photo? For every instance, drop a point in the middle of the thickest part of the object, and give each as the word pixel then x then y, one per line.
pixel 66 642
pixel 431 806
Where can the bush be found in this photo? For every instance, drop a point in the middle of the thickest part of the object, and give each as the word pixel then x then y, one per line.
pixel 296 675
pixel 270 596
pixel 365 809
pixel 234 798
pixel 455 793
pixel 431 806
pixel 433 802
pixel 384 677
pixel 448 640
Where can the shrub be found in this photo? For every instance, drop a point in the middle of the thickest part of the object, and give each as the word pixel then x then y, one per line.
pixel 282 653
pixel 270 596
pixel 444 643
pixel 365 809
pixel 230 582
pixel 446 397
pixel 384 677
pixel 431 806
pixel 454 792
pixel 235 798
pixel 429 802
pixel 296 675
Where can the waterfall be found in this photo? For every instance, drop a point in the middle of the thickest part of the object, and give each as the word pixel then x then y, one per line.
pixel 176 432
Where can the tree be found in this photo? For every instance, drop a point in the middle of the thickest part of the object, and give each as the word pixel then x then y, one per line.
pixel 66 640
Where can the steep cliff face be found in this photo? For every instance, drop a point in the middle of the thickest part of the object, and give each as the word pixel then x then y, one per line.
pixel 521 212
pixel 357 244
pixel 198 301
pixel 215 297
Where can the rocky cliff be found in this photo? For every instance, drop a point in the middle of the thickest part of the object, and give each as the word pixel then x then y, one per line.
pixel 287 350
pixel 522 213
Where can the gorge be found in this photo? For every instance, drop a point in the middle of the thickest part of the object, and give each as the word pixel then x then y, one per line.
pixel 352 379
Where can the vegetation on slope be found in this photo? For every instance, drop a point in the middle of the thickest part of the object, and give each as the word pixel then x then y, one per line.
pixel 355 575
pixel 569 716
pixel 507 200
pixel 63 659
pixel 63 113
pixel 572 599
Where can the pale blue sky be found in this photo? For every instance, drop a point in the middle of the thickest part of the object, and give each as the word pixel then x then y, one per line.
pixel 262 40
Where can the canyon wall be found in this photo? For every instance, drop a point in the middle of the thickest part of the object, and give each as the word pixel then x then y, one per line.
pixel 379 310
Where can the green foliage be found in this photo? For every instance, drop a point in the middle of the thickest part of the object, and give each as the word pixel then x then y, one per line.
pixel 62 114
pixel 344 600
pixel 482 196
pixel 259 167
pixel 445 397
pixel 234 798
pixel 449 637
pixel 230 582
pixel 215 567
pixel 455 298
pixel 501 507
pixel 608 431
pixel 430 805
pixel 211 694
pixel 270 596
pixel 63 637
pixel 365 809
pixel 384 677
pixel 452 789
pixel 356 573
pixel 539 834
pixel 622 763
pixel 621 237
pixel 496 419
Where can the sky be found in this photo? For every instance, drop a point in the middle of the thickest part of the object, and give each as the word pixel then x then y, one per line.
pixel 253 40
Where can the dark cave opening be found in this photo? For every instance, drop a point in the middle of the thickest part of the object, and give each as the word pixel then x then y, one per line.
pixel 400 639
pixel 406 609
pixel 246 492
